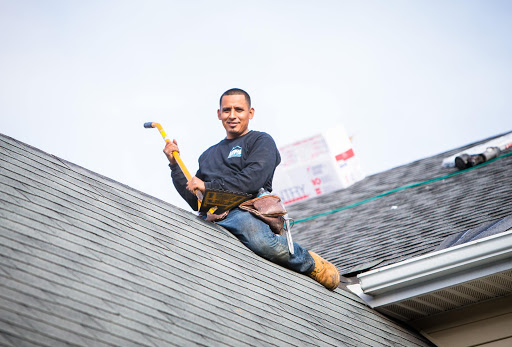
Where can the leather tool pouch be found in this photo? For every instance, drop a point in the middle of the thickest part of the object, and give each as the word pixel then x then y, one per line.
pixel 223 201
pixel 210 217
pixel 269 209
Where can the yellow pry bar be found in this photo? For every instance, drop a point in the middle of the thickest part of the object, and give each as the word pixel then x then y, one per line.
pixel 176 156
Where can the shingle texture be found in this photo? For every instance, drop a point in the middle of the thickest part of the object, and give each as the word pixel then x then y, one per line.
pixel 87 261
pixel 409 222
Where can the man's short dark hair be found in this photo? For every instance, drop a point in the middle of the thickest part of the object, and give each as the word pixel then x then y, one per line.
pixel 236 91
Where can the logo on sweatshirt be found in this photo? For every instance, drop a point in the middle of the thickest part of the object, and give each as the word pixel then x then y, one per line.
pixel 236 152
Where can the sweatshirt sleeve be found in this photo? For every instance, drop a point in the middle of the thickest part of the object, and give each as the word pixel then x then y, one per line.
pixel 260 164
pixel 180 183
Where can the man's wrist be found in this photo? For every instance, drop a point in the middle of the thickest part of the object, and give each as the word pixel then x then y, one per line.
pixel 173 166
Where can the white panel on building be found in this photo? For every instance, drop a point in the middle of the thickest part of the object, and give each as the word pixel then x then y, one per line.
pixel 316 165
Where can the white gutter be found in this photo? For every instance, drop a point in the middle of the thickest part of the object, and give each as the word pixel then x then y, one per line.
pixel 437 270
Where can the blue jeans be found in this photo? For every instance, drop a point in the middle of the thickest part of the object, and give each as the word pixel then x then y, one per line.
pixel 259 238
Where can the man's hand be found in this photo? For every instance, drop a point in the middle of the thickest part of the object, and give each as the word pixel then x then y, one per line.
pixel 196 183
pixel 170 147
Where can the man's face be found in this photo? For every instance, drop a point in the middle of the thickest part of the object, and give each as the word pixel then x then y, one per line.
pixel 235 114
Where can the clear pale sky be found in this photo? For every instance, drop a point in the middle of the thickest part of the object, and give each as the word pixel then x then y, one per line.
pixel 407 79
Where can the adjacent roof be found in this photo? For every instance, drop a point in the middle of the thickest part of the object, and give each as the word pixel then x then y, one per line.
pixel 404 212
pixel 86 260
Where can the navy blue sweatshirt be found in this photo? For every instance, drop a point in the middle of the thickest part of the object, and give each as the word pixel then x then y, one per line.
pixel 244 164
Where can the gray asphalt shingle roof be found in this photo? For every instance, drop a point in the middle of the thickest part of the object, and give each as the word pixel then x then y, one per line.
pixel 409 222
pixel 85 260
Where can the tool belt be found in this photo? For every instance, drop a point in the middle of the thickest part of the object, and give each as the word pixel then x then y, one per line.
pixel 267 208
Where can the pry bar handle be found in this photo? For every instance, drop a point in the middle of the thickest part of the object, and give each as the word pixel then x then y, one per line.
pixel 176 156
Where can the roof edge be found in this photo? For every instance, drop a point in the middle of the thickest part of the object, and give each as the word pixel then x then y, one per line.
pixel 437 270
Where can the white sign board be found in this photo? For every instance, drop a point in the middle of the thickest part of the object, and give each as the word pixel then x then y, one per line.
pixel 317 165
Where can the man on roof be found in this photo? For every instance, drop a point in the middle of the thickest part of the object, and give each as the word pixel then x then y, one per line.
pixel 245 161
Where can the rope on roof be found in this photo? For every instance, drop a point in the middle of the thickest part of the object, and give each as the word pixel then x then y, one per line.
pixel 399 189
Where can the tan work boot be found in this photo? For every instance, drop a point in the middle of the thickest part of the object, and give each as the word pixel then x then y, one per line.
pixel 325 273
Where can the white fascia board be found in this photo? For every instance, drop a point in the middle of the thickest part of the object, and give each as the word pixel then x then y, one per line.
pixel 437 270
